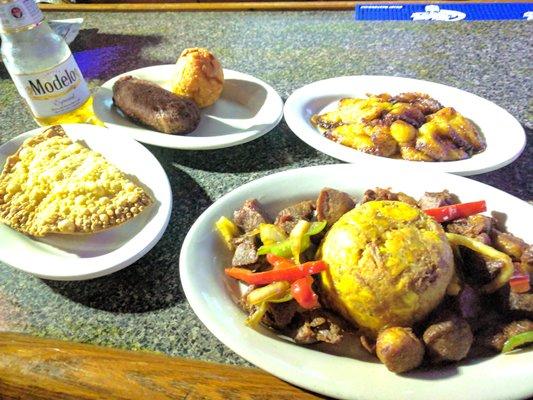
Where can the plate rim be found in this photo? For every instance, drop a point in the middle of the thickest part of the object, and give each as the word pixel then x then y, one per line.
pixel 261 359
pixel 233 139
pixel 105 264
pixel 313 139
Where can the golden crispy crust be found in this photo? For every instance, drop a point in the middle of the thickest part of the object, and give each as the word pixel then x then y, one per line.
pixel 389 265
pixel 200 77
pixel 52 185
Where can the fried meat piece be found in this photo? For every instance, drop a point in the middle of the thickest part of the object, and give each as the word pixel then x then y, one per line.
pixel 399 349
pixel 250 215
pixel 448 340
pixel 496 335
pixel 386 194
pixel 436 199
pixel 245 252
pixel 332 204
pixel 318 326
pixel 289 217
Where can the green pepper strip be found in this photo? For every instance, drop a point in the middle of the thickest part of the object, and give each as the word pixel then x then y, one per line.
pixel 283 248
pixel 517 340
pixel 507 269
pixel 255 318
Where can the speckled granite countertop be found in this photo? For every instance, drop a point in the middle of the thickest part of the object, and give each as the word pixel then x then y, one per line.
pixel 143 306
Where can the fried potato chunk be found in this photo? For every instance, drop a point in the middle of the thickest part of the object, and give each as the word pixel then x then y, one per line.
pixel 54 185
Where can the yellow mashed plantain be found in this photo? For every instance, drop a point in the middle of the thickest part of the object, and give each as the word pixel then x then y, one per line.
pixel 389 265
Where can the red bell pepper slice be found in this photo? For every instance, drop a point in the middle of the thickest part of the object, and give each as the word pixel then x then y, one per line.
pixel 455 211
pixel 519 282
pixel 286 274
pixel 302 291
pixel 279 262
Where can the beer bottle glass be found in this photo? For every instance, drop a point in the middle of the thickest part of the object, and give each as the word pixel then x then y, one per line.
pixel 42 67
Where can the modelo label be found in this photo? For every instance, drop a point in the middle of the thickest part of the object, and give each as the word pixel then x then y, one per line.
pixel 54 92
pixel 19 14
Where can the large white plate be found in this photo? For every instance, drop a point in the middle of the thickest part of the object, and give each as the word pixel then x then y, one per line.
pixel 77 257
pixel 504 134
pixel 248 108
pixel 211 294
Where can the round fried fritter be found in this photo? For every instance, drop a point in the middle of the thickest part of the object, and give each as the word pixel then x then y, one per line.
pixel 200 77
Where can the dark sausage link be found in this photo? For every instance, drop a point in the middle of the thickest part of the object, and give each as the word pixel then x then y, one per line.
pixel 149 104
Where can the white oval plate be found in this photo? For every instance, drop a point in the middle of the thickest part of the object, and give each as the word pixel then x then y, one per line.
pixel 504 135
pixel 211 295
pixel 78 257
pixel 248 108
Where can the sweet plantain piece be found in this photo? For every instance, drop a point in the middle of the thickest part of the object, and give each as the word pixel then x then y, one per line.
pixel 449 136
pixel 354 135
pixel 461 130
pixel 350 102
pixel 422 101
pixel 352 111
pixel 412 154
pixel 439 149
pixel 436 140
pixel 405 112
pixel 403 133
pixel 384 143
pixel 370 139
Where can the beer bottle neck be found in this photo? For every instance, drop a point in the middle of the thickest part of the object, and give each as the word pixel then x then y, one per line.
pixel 19 15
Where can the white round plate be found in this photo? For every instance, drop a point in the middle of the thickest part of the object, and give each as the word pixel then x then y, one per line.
pixel 78 257
pixel 248 108
pixel 212 295
pixel 504 135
